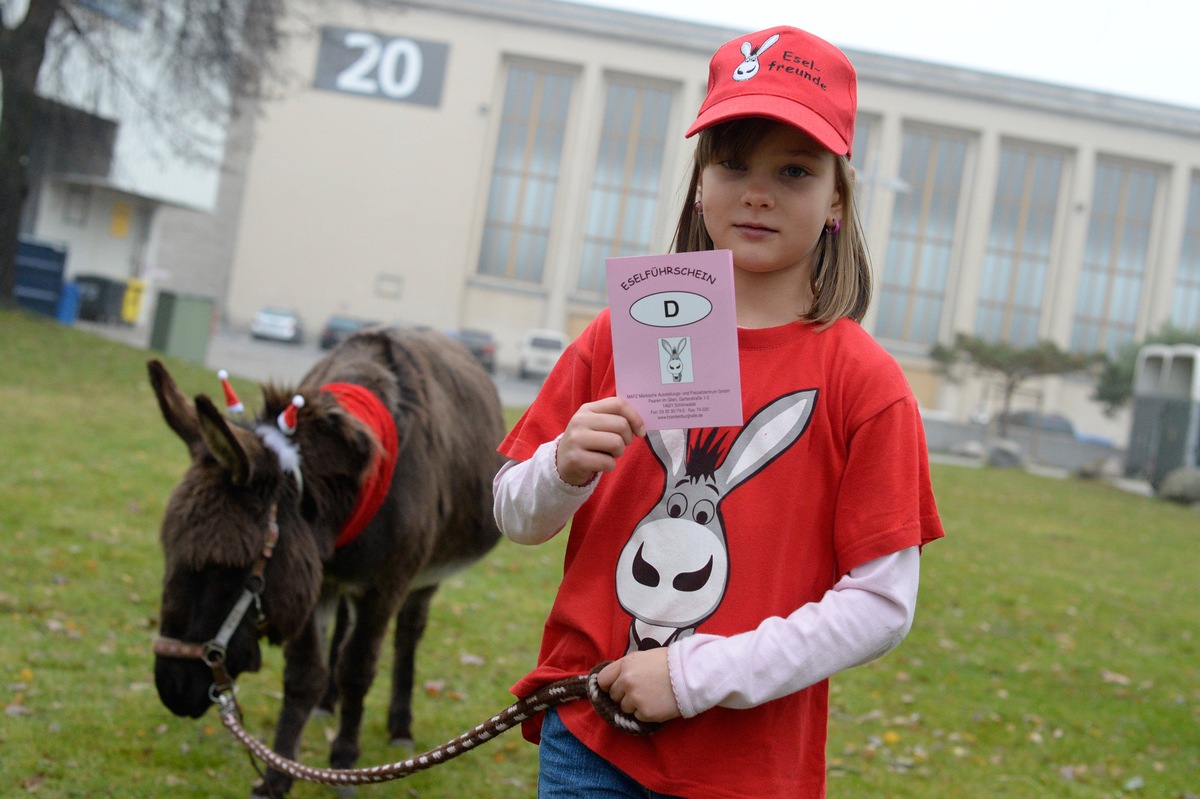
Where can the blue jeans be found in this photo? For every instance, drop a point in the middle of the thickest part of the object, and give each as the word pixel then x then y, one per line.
pixel 569 770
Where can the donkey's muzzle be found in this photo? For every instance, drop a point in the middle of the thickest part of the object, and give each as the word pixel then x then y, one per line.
pixel 183 686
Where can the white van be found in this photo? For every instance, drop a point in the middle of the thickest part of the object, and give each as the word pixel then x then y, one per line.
pixel 539 352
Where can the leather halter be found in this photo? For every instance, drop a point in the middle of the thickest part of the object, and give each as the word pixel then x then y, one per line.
pixel 212 652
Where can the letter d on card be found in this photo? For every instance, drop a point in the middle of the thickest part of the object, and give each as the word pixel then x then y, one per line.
pixel 671 309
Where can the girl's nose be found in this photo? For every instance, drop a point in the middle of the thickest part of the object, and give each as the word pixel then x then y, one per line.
pixel 756 195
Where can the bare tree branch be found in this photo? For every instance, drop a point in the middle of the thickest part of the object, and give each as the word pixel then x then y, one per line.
pixel 184 75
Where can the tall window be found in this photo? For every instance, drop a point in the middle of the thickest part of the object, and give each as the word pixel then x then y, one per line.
pixel 625 189
pixel 1017 262
pixel 864 159
pixel 525 175
pixel 1115 257
pixel 1185 310
pixel 912 288
pixel 129 13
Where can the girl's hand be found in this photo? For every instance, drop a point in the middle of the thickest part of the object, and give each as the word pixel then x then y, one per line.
pixel 595 437
pixel 640 683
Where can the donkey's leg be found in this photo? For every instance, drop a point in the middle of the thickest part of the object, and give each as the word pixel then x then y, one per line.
pixel 357 662
pixel 410 626
pixel 304 679
pixel 341 624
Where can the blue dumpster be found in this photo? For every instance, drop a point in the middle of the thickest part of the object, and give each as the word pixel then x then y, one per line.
pixel 37 284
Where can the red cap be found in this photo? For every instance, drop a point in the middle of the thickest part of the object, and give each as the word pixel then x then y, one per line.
pixel 788 75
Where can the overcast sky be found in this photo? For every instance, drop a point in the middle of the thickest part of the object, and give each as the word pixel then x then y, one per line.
pixel 1139 48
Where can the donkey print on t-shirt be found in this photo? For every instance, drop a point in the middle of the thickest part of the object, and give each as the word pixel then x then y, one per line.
pixel 672 572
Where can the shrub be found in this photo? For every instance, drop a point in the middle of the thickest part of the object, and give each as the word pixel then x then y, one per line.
pixel 1181 485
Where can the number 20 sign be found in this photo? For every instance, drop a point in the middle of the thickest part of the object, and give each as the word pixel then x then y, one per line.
pixel 375 65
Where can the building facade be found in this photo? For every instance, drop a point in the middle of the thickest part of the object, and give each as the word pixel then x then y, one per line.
pixel 471 163
pixel 104 162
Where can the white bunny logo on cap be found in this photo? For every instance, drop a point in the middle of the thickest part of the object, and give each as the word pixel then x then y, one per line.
pixel 749 68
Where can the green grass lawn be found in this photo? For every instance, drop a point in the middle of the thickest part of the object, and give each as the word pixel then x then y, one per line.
pixel 1055 650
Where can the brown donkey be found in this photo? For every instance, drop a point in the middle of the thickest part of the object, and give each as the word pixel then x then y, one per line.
pixel 365 493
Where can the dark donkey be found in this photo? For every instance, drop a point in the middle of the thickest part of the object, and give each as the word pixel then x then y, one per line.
pixel 382 489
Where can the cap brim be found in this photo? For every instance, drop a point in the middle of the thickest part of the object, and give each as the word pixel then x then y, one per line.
pixel 772 107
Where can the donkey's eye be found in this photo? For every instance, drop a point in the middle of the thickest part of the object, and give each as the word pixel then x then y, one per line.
pixel 703 512
pixel 676 505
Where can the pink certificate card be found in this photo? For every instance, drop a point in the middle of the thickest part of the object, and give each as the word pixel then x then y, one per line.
pixel 674 329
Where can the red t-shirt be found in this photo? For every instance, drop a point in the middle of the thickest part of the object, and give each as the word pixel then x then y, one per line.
pixel 830 471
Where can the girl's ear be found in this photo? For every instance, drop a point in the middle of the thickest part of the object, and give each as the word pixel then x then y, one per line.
pixel 840 192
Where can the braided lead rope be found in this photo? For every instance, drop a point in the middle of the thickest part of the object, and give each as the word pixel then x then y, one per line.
pixel 583 686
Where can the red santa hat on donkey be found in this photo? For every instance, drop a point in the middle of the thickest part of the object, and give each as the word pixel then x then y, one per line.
pixel 278 438
pixel 232 403
pixel 287 418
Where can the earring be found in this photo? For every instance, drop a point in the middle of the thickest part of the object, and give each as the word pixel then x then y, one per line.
pixel 834 228
pixel 697 208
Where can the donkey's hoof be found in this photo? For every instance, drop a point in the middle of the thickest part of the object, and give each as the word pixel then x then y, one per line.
pixel 270 787
pixel 403 742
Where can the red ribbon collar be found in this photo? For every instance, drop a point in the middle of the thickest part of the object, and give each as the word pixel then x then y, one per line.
pixel 368 409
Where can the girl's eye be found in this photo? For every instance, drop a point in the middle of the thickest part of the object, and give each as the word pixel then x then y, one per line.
pixel 731 164
pixel 795 171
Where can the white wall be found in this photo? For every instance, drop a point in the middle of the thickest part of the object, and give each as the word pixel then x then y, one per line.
pixel 169 154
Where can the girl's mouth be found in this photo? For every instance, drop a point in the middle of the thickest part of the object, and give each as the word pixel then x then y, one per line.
pixel 753 230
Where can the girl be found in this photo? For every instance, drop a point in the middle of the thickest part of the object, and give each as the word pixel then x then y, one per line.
pixel 817 507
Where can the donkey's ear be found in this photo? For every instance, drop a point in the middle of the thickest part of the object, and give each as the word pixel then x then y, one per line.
pixel 670 447
pixel 222 442
pixel 768 433
pixel 340 441
pixel 177 411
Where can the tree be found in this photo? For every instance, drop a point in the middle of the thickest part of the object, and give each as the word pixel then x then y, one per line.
pixel 1013 365
pixel 1114 388
pixel 207 55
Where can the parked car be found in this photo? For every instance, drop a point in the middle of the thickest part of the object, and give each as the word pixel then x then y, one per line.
pixel 539 352
pixel 339 327
pixel 277 324
pixel 481 344
pixel 1043 422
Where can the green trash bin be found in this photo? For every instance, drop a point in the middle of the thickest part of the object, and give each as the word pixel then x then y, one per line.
pixel 182 325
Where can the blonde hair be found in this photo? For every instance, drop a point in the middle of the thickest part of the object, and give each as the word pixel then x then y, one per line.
pixel 841 272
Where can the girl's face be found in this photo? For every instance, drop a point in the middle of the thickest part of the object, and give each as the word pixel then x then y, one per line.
pixel 770 205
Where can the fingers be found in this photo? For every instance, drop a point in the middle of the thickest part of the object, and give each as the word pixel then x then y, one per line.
pixel 616 415
pixel 636 424
pixel 608 676
pixel 641 684
pixel 595 437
